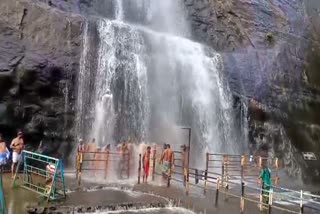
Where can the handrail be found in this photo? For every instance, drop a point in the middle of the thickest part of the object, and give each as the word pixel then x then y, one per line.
pixel 40 155
pixel 237 171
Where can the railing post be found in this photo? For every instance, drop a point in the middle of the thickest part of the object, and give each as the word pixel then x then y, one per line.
pixel 196 177
pixel 106 165
pixel 242 198
pixel 153 163
pixel 169 173
pixel 217 192
pixel 225 178
pixel 243 161
pixel 206 174
pixel 277 168
pixel 222 167
pixel 187 183
pixel 139 169
pixel 301 202
pixel 261 197
pixel 2 197
pixel 128 165
pixel 77 164
pixel 80 168
pixel 270 200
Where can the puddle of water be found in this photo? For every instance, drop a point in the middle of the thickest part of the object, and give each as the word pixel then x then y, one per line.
pixel 17 199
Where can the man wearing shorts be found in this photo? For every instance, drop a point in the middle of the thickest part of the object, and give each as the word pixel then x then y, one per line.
pixel 167 161
pixel 16 146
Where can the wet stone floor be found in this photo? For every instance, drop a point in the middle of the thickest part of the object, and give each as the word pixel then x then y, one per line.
pixel 121 198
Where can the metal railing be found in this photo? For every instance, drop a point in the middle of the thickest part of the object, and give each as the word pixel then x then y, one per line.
pixel 100 161
pixel 237 176
pixel 2 199
pixel 41 174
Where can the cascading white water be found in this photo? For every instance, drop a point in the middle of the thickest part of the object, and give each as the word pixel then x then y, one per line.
pixel 119 10
pixel 149 80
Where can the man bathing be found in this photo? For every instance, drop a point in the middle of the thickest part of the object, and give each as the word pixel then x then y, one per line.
pixel 98 156
pixel 146 164
pixel 167 160
pixel 4 152
pixel 16 146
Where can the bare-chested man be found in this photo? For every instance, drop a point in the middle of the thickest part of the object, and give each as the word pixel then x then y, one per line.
pixel 16 146
pixel 167 160
pixel 106 156
pixel 146 164
pixel 163 153
pixel 4 152
pixel 91 147
pixel 97 157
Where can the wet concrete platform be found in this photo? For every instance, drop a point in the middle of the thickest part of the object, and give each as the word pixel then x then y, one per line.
pixel 132 198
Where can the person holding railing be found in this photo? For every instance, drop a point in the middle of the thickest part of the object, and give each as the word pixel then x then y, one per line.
pixel 265 179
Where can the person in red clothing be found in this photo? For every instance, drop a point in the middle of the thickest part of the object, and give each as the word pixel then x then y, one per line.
pixel 146 164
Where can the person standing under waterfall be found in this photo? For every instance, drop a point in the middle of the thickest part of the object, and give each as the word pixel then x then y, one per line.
pixel 265 179
pixel 98 156
pixel 163 153
pixel 17 146
pixel 91 148
pixel 184 161
pixel 167 161
pixel 124 158
pixel 146 164
pixel 106 158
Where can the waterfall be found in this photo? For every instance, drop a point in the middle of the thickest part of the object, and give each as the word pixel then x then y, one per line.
pixel 119 10
pixel 143 81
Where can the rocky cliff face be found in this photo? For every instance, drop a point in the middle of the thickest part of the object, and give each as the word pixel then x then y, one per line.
pixel 270 51
pixel 39 58
pixel 271 54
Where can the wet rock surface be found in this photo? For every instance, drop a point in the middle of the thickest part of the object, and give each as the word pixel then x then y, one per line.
pixel 39 58
pixel 270 51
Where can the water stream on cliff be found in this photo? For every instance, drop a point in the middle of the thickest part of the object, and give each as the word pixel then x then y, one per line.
pixel 119 10
pixel 143 81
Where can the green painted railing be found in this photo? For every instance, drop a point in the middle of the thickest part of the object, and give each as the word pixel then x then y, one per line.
pixel 2 200
pixel 35 166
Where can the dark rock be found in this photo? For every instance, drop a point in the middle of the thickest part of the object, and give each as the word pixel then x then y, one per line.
pixel 39 53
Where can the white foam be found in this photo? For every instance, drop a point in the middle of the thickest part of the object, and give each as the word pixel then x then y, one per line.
pixel 151 210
